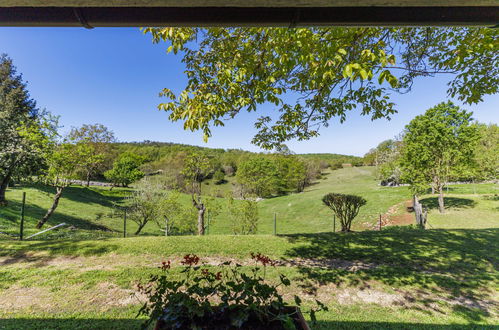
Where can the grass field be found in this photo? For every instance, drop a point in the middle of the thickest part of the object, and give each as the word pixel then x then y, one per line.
pixel 92 210
pixel 398 278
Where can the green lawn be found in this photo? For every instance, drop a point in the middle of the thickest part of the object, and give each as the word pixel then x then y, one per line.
pixel 397 278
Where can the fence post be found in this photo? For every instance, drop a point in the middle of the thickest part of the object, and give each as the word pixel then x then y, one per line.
pixel 275 223
pixel 124 223
pixel 21 229
pixel 334 223
pixel 380 222
pixel 208 227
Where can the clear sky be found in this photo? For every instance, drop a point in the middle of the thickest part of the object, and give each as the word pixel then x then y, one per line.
pixel 113 76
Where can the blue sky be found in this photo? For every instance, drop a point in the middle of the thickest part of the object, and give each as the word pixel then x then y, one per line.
pixel 113 76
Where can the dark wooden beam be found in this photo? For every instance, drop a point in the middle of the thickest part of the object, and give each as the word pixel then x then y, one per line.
pixel 247 16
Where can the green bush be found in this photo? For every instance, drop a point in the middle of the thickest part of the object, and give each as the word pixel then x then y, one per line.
pixel 345 207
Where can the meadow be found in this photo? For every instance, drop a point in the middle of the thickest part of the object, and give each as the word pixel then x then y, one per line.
pixel 397 278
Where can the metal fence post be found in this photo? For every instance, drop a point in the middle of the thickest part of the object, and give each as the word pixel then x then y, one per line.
pixel 124 223
pixel 21 229
pixel 275 223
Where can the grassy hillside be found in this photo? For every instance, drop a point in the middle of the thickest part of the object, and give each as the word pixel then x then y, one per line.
pixel 93 211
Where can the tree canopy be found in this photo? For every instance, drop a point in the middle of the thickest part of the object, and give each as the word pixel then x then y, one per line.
pixel 25 131
pixel 312 75
pixel 438 145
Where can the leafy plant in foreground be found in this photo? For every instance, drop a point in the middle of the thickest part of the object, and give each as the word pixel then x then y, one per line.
pixel 225 298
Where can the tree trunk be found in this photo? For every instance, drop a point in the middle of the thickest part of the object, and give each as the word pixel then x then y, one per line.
pixel 421 215
pixel 140 228
pixel 441 207
pixel 3 188
pixel 201 212
pixel 51 210
pixel 88 179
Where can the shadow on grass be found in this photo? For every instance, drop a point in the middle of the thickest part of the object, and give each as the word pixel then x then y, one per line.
pixel 19 323
pixel 458 264
pixel 449 202
pixel 393 325
pixel 15 254
pixel 11 214
pixel 85 195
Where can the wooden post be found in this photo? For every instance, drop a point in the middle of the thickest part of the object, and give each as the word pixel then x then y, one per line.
pixel 21 229
pixel 380 222
pixel 275 223
pixel 334 223
pixel 124 223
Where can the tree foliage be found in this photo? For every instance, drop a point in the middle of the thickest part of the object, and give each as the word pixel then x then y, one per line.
pixel 125 169
pixel 345 207
pixel 487 152
pixel 244 216
pixel 95 141
pixel 62 166
pixel 437 146
pixel 312 75
pixel 26 133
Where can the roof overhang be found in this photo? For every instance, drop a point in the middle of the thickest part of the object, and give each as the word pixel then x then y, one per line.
pixel 96 13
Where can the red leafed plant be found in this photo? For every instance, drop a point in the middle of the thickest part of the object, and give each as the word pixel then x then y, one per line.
pixel 197 297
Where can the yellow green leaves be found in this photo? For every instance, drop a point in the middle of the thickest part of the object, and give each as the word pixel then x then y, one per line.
pixel 387 75
pixel 312 75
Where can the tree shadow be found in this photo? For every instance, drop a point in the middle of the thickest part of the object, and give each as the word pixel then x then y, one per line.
pixel 71 249
pixel 449 202
pixel 455 263
pixel 11 215
pixel 357 325
pixel 70 323
pixel 83 194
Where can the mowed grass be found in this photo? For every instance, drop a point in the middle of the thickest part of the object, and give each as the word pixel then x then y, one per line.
pixel 397 278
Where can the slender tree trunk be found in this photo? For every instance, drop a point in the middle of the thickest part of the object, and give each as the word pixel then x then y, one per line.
pixel 441 207
pixel 88 179
pixel 51 210
pixel 201 210
pixel 3 188
pixel 140 228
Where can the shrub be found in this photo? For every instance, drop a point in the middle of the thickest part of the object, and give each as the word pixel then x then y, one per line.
pixel 219 177
pixel 225 298
pixel 345 207
pixel 244 216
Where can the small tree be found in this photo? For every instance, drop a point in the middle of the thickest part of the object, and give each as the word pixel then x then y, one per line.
pixel 244 215
pixel 196 168
pixel 126 169
pixel 438 145
pixel 345 207
pixel 62 168
pixel 95 141
pixel 175 218
pixel 144 204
